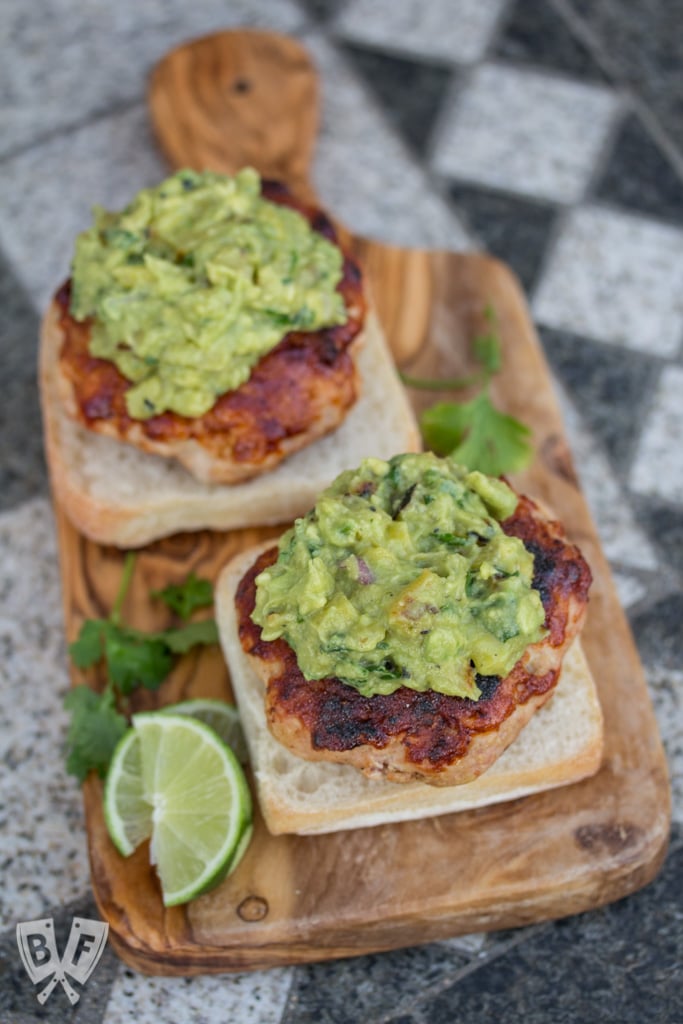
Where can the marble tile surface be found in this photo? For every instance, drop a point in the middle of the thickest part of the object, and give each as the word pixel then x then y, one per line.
pixel 365 173
pixel 455 30
pixel 643 49
pixel 640 176
pixel 410 92
pixel 666 687
pixel 534 32
pixel 611 392
pixel 256 998
pixel 42 852
pixel 370 986
pixel 630 588
pixel 43 208
pixel 617 278
pixel 65 62
pixel 22 468
pixel 525 132
pixel 623 541
pixel 658 464
pixel 515 229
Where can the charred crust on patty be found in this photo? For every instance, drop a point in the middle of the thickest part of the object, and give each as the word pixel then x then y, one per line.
pixel 559 568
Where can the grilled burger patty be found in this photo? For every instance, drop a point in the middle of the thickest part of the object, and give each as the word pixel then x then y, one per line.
pixel 408 735
pixel 299 391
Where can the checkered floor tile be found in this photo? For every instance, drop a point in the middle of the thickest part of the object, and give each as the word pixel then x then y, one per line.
pixel 524 132
pixel 616 278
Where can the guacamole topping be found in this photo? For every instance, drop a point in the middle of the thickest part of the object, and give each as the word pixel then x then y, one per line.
pixel 402 576
pixel 194 282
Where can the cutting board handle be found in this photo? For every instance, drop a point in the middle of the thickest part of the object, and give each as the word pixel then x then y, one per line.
pixel 239 98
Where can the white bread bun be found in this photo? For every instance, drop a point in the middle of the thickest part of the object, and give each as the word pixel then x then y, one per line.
pixel 117 494
pixel 561 744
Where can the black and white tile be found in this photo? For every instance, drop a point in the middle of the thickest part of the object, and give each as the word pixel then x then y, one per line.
pixel 547 131
pixel 525 132
pixel 617 278
pixel 452 30
pixel 656 467
pixel 535 33
pixel 638 177
pixel 22 471
pixel 67 63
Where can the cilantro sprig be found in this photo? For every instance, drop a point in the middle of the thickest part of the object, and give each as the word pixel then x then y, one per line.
pixel 474 432
pixel 94 730
pixel 184 598
pixel 131 658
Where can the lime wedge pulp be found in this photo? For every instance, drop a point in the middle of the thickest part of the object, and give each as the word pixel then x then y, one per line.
pixel 126 812
pixel 173 780
pixel 220 716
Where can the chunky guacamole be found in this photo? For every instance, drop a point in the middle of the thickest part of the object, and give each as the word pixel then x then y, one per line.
pixel 402 576
pixel 194 282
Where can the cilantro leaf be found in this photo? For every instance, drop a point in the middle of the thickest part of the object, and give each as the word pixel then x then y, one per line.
pixel 88 648
pixel 475 432
pixel 135 658
pixel 94 730
pixel 185 598
pixel 444 425
pixel 132 658
pixel 182 639
pixel 478 435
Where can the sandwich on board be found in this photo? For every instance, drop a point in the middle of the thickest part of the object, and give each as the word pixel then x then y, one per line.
pixel 393 646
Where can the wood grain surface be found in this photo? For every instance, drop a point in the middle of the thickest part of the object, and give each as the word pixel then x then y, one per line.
pixel 296 899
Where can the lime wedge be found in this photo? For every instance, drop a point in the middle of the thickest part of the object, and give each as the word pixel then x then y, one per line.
pixel 126 812
pixel 173 780
pixel 220 716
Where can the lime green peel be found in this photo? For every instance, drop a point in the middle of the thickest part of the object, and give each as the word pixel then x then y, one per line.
pixel 173 781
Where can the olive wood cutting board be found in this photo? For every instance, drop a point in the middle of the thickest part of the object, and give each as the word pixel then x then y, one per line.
pixel 247 97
